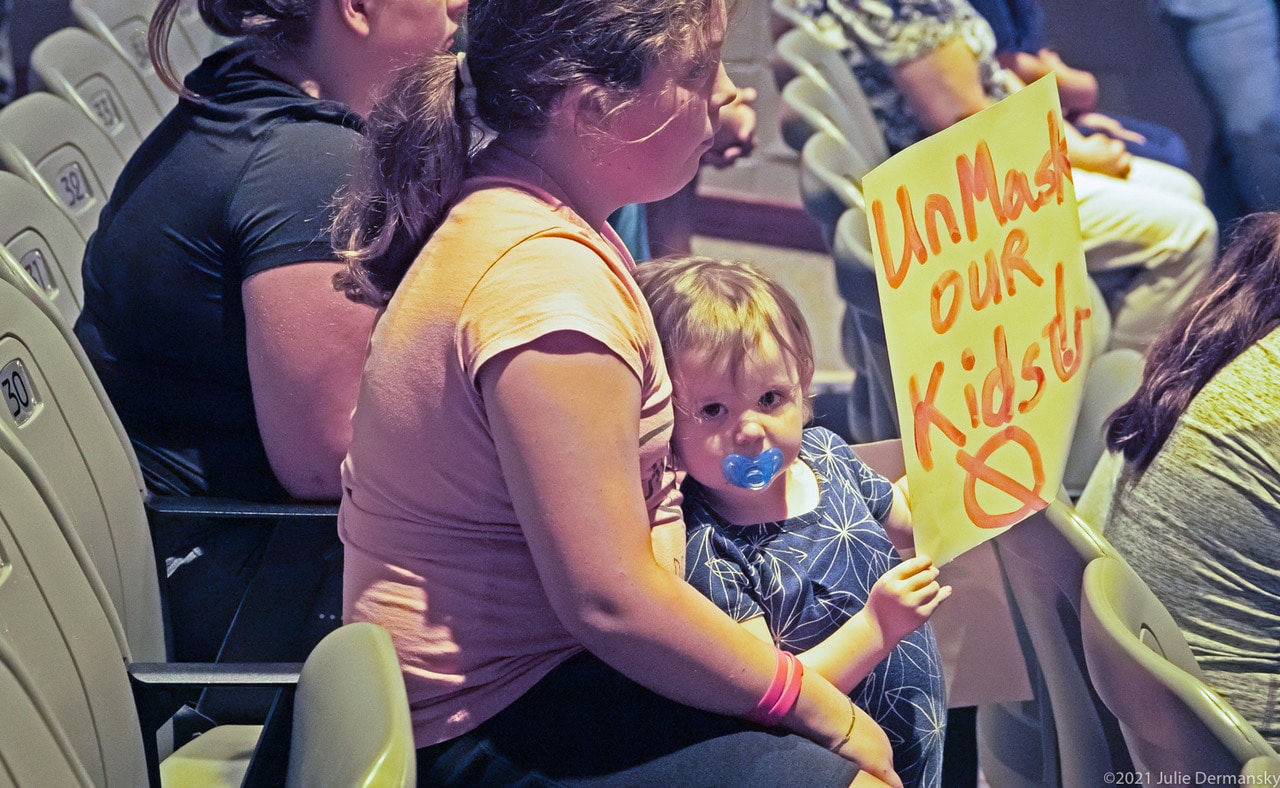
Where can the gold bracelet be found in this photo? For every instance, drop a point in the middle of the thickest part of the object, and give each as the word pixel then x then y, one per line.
pixel 853 718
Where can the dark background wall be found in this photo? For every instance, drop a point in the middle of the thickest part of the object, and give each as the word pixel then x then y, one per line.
pixel 1136 62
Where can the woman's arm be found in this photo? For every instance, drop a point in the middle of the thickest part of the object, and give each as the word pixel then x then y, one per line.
pixel 943 86
pixel 1078 89
pixel 306 344
pixel 564 413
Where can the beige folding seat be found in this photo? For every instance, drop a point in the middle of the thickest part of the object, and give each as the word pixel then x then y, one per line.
pixel 34 750
pixel 84 70
pixel 51 144
pixel 1065 735
pixel 347 724
pixel 814 52
pixel 70 431
pixel 1177 727
pixel 44 241
pixel 56 626
pixel 122 25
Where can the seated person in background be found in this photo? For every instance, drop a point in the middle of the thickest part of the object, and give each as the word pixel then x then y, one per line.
pixel 1232 48
pixel 1196 506
pixel 209 309
pixel 1022 47
pixel 788 531
pixel 926 64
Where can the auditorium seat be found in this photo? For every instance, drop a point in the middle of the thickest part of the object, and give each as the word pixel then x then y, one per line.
pixel 44 241
pixel 84 70
pixel 54 146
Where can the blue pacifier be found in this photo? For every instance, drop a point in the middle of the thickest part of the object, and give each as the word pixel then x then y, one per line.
pixel 752 473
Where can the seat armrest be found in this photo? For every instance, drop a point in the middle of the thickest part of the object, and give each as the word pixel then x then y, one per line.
pixel 233 509
pixel 156 695
pixel 210 674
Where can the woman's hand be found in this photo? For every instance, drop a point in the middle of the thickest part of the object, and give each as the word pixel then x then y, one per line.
pixel 1096 121
pixel 1098 153
pixel 869 747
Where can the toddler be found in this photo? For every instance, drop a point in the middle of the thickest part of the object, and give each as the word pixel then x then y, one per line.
pixel 788 531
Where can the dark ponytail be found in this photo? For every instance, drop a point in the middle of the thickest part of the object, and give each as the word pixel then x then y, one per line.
pixel 285 23
pixel 417 144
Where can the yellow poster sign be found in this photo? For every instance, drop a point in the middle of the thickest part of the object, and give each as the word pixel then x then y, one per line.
pixel 986 311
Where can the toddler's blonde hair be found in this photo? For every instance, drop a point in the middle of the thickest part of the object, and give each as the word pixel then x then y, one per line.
pixel 724 308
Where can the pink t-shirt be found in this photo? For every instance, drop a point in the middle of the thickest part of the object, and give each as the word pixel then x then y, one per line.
pixel 433 549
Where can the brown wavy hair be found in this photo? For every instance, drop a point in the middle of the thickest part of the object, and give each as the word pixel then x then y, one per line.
pixel 1236 305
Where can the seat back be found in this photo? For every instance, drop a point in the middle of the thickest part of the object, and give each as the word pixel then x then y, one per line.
pixel 1143 668
pixel 1043 560
pixel 57 412
pixel 54 146
pixel 1112 378
pixel 873 414
pixel 831 181
pixel 811 106
pixel 817 52
pixel 84 70
pixel 34 750
pixel 351 721
pixel 45 243
pixel 203 41
pixel 1262 770
pixel 122 25
pixel 56 626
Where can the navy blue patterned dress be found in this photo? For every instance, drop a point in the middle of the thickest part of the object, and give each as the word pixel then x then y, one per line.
pixel 807 575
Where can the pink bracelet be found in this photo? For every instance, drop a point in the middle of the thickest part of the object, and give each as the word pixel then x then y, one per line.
pixel 781 696
pixel 774 692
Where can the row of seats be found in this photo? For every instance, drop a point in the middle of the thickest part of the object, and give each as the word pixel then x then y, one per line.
pixel 85 676
pixel 1116 686
pixel 1118 689
pixel 83 646
pixel 95 98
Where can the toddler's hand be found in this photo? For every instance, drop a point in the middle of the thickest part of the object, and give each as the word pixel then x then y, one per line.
pixel 904 598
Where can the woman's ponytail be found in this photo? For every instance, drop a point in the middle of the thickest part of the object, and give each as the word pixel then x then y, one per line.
pixel 283 23
pixel 416 149
pixel 158 32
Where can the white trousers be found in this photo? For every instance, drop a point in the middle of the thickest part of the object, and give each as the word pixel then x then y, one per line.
pixel 1148 240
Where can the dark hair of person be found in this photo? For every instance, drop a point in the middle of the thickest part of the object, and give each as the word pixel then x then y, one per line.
pixel 280 23
pixel 522 56
pixel 1236 305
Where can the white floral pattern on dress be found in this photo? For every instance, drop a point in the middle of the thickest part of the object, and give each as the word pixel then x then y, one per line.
pixel 807 575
